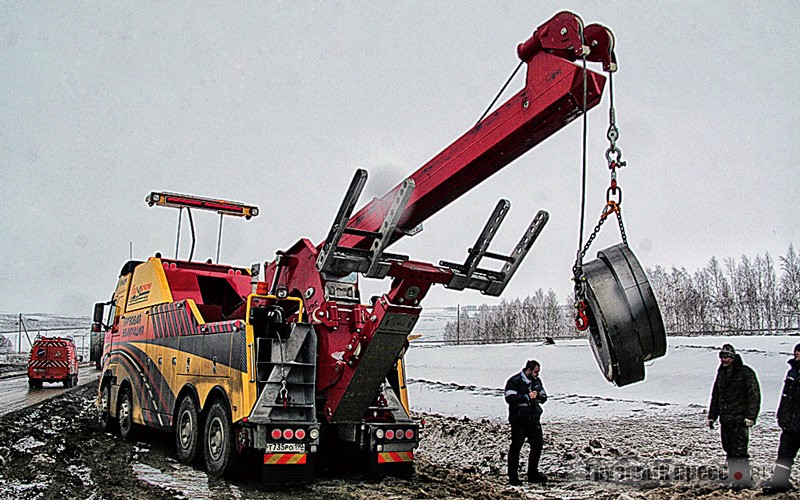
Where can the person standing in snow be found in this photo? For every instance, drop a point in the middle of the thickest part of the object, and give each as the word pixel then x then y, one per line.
pixel 789 422
pixel 736 401
pixel 525 394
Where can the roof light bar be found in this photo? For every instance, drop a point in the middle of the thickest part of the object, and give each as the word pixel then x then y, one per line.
pixel 175 200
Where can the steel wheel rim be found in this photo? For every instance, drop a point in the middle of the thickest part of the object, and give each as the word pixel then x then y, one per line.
pixel 125 412
pixel 186 425
pixel 104 400
pixel 215 438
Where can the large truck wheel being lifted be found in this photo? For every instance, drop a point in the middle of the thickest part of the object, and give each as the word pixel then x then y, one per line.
pixel 288 364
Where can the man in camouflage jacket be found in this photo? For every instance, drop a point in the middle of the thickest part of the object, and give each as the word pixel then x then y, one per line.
pixel 736 401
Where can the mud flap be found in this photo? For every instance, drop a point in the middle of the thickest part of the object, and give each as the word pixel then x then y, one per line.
pixel 625 324
pixel 288 468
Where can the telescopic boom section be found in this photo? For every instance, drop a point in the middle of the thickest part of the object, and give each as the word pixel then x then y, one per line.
pixel 552 98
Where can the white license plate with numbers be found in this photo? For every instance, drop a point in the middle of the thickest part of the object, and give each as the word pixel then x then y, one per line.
pixel 285 448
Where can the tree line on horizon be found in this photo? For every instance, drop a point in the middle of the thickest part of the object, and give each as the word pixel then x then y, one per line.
pixel 749 296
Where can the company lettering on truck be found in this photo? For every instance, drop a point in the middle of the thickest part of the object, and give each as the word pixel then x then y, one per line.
pixel 140 294
pixel 132 326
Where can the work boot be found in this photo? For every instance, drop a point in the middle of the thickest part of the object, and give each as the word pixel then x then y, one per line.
pixel 780 480
pixel 537 478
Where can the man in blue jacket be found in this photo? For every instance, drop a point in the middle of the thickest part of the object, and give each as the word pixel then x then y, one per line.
pixel 524 394
pixel 789 422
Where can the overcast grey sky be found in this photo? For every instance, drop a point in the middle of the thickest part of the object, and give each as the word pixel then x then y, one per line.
pixel 277 103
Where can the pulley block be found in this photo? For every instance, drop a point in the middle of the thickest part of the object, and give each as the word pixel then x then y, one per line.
pixel 625 322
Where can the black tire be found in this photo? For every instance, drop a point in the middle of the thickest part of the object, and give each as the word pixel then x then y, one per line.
pixel 110 423
pixel 188 429
pixel 32 384
pixel 127 429
pixel 218 446
pixel 68 382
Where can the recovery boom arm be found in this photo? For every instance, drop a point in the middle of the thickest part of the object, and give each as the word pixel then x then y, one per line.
pixel 359 344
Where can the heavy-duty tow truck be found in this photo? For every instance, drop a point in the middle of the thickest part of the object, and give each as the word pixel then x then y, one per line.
pixel 288 363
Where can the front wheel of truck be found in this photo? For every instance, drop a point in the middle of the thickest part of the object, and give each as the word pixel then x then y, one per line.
pixel 125 414
pixel 109 423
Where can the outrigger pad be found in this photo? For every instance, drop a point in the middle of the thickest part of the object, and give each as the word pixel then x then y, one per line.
pixel 625 324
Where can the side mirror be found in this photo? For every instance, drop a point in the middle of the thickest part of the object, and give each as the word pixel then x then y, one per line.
pixel 99 309
pixel 96 328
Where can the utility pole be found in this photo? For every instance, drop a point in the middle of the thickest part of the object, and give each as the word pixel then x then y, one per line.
pixel 458 324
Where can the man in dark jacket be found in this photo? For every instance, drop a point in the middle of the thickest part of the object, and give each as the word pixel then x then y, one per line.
pixel 524 394
pixel 736 401
pixel 789 422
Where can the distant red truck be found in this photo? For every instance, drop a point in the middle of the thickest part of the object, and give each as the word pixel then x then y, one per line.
pixel 53 360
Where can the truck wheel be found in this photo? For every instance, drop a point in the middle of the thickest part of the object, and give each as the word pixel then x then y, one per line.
pixel 109 422
pixel 68 382
pixel 125 414
pixel 187 431
pixel 218 440
pixel 32 384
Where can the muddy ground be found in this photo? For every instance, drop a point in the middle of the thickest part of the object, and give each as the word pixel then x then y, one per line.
pixel 57 449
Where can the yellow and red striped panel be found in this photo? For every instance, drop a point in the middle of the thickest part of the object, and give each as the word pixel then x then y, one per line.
pixel 391 457
pixel 284 458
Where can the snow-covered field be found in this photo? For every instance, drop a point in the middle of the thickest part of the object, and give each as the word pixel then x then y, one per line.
pixel 469 380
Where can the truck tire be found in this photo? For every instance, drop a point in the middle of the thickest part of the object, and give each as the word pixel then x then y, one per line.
pixel 109 423
pixel 127 429
pixel 187 431
pixel 218 443
pixel 34 384
pixel 68 382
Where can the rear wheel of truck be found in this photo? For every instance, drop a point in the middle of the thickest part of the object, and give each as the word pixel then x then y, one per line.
pixel 68 382
pixel 125 414
pixel 218 440
pixel 187 431
pixel 109 423
pixel 34 383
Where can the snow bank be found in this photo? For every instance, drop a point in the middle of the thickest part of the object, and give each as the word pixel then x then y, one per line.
pixel 468 380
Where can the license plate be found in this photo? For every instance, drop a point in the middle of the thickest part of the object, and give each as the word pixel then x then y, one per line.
pixel 285 448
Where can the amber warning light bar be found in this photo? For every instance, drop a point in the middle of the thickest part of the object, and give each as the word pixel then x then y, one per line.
pixel 222 207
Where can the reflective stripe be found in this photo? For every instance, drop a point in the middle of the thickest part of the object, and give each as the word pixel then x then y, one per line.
pixel 284 458
pixel 395 456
